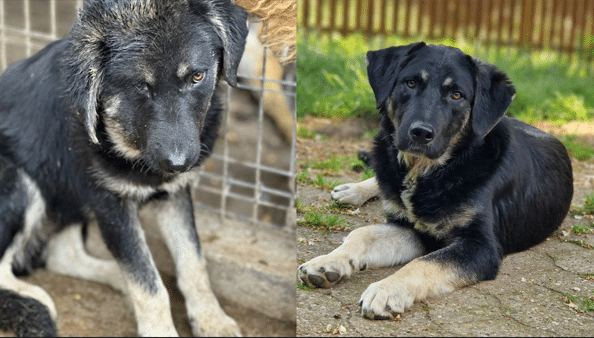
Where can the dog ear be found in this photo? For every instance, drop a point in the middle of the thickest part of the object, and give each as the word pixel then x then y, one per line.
pixel 493 96
pixel 230 23
pixel 383 66
pixel 82 72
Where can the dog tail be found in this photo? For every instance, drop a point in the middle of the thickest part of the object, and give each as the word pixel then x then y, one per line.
pixel 24 316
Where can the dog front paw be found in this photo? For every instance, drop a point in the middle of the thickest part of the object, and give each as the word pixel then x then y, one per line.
pixel 325 271
pixel 214 322
pixel 385 299
pixel 349 194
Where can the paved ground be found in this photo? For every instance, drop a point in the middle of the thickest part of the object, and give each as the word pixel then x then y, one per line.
pixel 531 296
pixel 527 298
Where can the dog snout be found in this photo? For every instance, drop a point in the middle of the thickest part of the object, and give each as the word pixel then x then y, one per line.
pixel 421 133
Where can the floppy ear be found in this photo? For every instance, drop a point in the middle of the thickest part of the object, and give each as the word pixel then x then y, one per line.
pixel 230 23
pixel 493 96
pixel 383 66
pixel 82 70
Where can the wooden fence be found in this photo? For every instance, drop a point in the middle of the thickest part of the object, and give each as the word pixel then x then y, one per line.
pixel 561 25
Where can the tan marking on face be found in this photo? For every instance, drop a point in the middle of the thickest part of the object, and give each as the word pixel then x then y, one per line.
pixel 122 146
pixel 149 75
pixel 390 107
pixel 424 75
pixel 449 81
pixel 182 70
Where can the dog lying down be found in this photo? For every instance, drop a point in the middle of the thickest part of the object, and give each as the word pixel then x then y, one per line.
pixel 96 125
pixel 462 185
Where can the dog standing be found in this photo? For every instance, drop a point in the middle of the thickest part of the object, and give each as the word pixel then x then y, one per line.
pixel 97 124
pixel 462 185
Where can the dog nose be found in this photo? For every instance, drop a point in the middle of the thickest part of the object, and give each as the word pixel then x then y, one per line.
pixel 176 163
pixel 421 133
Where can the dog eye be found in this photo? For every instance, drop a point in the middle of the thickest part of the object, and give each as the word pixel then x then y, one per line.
pixel 411 83
pixel 456 95
pixel 144 87
pixel 197 77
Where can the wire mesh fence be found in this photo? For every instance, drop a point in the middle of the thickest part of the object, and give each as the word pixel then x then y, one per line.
pixel 251 172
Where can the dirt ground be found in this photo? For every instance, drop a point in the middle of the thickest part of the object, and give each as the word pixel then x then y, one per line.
pixel 528 297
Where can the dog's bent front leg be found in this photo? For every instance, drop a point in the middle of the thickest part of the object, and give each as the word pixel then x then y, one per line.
pixel 462 263
pixel 373 246
pixel 175 216
pixel 121 231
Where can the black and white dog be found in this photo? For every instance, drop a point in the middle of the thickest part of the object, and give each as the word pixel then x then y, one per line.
pixel 462 185
pixel 117 113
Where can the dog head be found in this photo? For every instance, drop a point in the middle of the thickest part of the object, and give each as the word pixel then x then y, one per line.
pixel 435 94
pixel 147 70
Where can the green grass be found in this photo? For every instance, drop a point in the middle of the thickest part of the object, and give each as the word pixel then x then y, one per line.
pixel 585 209
pixel 584 305
pixel 332 77
pixel 320 220
pixel 589 203
pixel 581 243
pixel 304 287
pixel 319 181
pixel 577 149
pixel 333 80
pixel 332 165
pixel 582 229
pixel 335 165
pixel 305 133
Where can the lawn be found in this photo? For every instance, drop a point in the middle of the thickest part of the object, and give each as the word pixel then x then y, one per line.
pixel 332 80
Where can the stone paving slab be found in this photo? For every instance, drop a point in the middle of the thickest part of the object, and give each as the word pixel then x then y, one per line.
pixel 528 297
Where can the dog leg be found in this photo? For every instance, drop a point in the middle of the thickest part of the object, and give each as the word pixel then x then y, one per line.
pixel 67 255
pixel 373 246
pixel 10 282
pixel 437 273
pixel 33 217
pixel 124 237
pixel 175 217
pixel 356 193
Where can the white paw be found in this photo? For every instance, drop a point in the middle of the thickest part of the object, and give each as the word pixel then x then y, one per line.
pixel 385 299
pixel 327 270
pixel 213 322
pixel 349 194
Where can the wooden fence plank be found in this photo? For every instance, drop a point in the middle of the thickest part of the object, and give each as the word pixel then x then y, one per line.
pixel 572 10
pixel 420 14
pixel 383 14
pixel 562 35
pixel 563 25
pixel 526 25
pixel 346 9
pixel 406 32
